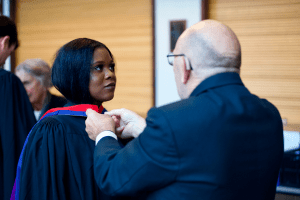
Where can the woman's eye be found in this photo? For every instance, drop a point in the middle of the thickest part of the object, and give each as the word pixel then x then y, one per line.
pixel 112 67
pixel 98 67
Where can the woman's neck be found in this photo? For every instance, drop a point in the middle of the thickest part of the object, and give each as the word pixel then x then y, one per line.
pixel 98 103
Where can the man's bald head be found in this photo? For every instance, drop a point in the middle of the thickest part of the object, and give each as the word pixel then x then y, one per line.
pixel 211 45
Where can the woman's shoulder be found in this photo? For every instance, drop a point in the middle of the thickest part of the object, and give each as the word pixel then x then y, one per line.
pixel 57 101
pixel 59 132
pixel 61 124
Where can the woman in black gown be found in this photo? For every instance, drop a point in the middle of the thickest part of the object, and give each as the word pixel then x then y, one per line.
pixel 58 157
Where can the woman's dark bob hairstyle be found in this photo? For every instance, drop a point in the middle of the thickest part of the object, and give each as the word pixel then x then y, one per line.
pixel 71 69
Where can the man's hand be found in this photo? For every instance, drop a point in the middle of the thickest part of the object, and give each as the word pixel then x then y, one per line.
pixel 96 123
pixel 128 123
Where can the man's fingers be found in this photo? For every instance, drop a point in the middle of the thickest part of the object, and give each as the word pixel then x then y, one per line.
pixel 89 123
pixel 116 120
pixel 120 129
pixel 90 112
pixel 118 112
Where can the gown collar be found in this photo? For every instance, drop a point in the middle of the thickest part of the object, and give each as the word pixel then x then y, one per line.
pixel 76 108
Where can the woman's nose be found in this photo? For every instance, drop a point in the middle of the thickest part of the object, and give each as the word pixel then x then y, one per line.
pixel 108 73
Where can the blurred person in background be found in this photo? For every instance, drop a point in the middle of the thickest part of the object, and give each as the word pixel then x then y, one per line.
pixel 35 75
pixel 16 113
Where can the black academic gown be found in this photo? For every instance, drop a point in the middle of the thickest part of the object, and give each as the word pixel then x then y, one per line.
pixel 16 120
pixel 58 162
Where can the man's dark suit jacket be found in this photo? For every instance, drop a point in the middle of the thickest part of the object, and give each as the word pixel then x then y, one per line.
pixel 222 143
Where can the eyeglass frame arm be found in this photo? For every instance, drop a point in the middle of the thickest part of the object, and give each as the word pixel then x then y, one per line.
pixel 188 64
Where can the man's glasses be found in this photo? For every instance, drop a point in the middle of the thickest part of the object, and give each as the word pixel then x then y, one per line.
pixel 171 58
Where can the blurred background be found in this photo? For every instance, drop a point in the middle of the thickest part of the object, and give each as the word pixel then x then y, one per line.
pixel 269 32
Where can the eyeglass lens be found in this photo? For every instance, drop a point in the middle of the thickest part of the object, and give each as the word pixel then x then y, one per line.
pixel 171 60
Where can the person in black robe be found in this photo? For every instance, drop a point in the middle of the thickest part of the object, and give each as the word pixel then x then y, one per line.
pixel 57 161
pixel 16 120
pixel 16 117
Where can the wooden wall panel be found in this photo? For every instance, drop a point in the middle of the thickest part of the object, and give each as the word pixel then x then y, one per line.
pixel 269 33
pixel 124 26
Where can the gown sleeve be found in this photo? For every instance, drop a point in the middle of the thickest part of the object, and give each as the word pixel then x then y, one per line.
pixel 43 164
pixel 58 162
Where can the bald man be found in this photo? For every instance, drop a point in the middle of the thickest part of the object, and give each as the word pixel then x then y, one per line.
pixel 219 142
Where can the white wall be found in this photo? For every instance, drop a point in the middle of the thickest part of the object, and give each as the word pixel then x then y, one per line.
pixel 166 11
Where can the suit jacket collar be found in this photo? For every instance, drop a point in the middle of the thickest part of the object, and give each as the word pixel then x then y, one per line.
pixel 217 80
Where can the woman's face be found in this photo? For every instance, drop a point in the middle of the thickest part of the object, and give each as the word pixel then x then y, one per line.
pixel 103 79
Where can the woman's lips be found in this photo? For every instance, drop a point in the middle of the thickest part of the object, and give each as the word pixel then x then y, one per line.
pixel 110 86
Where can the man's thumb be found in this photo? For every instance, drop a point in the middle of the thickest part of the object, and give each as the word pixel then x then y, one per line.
pixel 89 112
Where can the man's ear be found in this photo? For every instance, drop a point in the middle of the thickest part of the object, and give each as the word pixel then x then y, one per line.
pixel 4 42
pixel 185 73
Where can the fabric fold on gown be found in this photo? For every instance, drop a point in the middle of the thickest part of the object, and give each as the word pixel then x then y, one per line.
pixel 57 161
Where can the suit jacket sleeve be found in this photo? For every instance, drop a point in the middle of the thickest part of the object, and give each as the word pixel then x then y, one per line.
pixel 147 163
